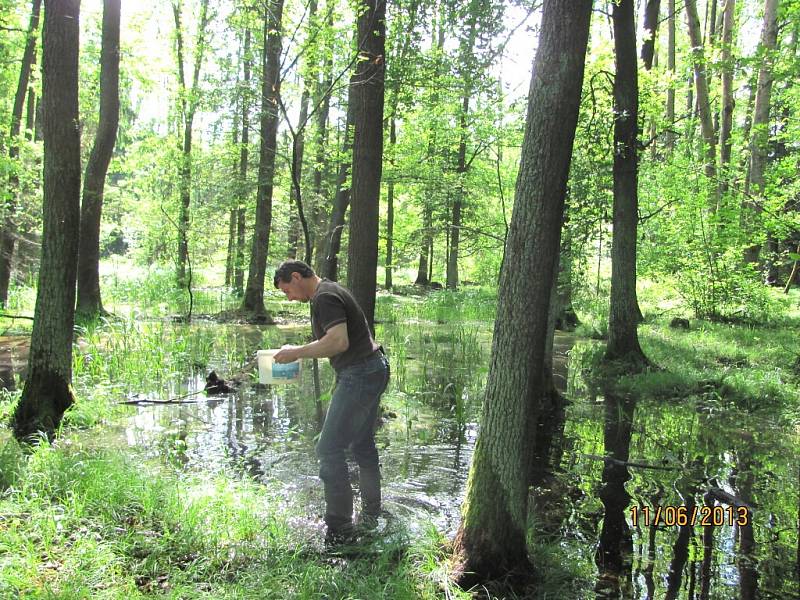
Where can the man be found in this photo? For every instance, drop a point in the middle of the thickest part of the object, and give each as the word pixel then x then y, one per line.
pixel 342 334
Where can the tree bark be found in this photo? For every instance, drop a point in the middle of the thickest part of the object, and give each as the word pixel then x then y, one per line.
pixel 726 111
pixel 89 303
pixel 9 233
pixel 623 341
pixel 48 393
pixel 390 208
pixel 669 142
pixel 423 277
pixel 189 99
pixel 650 30
pixel 244 155
pixel 491 541
pixel 270 88
pixel 760 133
pixel 323 101
pixel 341 201
pixel 703 100
pixel 366 97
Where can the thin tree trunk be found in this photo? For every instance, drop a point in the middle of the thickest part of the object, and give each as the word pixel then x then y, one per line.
pixel 270 88
pixel 188 106
pixel 89 302
pixel 651 31
pixel 244 155
pixel 341 201
pixel 726 112
pixel 423 278
pixel 298 150
pixel 458 201
pixel 491 541
pixel 703 101
pixel 670 109
pixel 623 341
pixel 760 133
pixel 390 207
pixel 366 97
pixel 47 393
pixel 323 101
pixel 9 233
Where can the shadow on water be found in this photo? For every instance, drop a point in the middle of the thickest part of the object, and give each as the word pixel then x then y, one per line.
pixel 724 482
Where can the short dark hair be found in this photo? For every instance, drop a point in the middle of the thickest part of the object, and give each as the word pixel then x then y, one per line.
pixel 284 271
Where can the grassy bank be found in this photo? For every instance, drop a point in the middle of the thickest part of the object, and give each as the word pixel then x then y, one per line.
pixel 80 522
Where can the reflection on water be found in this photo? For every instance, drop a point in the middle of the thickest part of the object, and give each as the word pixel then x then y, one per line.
pixel 599 460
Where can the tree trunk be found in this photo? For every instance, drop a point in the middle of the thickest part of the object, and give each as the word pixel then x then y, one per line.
pixel 491 541
pixel 189 99
pixel 760 132
pixel 670 109
pixel 244 153
pixel 726 111
pixel 366 97
pixel 650 31
pixel 623 341
pixel 230 256
pixel 48 393
pixel 89 302
pixel 298 149
pixel 390 207
pixel 270 88
pixel 323 101
pixel 341 201
pixel 703 101
pixel 423 278
pixel 458 201
pixel 9 232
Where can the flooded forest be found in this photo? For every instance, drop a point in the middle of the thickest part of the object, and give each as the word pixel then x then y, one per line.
pixel 571 228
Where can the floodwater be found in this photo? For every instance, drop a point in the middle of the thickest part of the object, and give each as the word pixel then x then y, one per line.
pixel 693 499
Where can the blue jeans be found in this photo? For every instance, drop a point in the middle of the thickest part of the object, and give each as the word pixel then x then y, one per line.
pixel 350 422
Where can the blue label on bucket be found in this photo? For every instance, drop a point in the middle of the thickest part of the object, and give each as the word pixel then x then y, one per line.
pixel 285 371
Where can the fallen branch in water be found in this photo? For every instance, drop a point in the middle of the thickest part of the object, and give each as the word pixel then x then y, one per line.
pixel 623 463
pixel 175 400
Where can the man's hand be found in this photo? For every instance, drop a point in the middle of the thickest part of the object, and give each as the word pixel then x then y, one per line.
pixel 287 354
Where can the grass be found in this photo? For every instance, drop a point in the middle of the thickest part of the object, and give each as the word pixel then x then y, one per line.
pixel 753 366
pixel 83 522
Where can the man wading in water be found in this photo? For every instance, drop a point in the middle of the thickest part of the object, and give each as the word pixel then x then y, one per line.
pixel 341 334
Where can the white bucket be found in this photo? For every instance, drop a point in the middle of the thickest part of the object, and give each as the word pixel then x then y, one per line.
pixel 270 372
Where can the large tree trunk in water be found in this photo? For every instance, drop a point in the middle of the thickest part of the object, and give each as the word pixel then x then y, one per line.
pixel 89 302
pixel 9 232
pixel 270 88
pixel 491 541
pixel 703 100
pixel 760 133
pixel 48 393
pixel 623 341
pixel 366 98
pixel 341 201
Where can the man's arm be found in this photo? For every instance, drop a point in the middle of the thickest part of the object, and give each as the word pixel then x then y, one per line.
pixel 335 341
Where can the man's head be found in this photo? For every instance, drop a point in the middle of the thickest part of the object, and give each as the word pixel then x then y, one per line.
pixel 295 279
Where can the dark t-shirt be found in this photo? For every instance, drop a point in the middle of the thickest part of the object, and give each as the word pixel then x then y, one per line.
pixel 333 304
